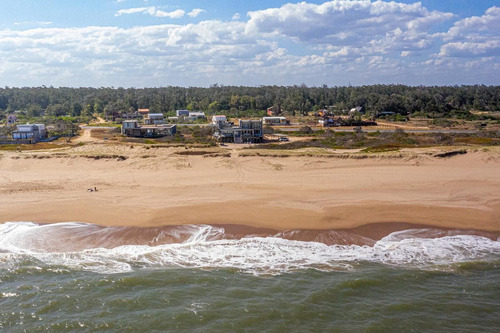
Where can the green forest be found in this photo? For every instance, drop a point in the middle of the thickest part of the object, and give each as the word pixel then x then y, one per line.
pixel 433 102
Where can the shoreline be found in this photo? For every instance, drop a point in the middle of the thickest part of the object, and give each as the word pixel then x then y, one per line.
pixel 335 218
pixel 73 236
pixel 161 187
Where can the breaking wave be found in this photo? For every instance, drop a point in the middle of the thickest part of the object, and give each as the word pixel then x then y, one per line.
pixel 80 246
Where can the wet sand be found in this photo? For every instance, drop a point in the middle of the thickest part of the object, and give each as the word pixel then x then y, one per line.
pixel 156 187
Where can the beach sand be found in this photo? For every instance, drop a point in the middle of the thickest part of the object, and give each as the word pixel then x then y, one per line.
pixel 137 186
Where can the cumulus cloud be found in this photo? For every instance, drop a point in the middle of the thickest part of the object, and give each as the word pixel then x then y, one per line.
pixel 474 36
pixel 341 20
pixel 153 11
pixel 385 26
pixel 480 27
pixel 360 41
pixel 195 12
pixel 107 52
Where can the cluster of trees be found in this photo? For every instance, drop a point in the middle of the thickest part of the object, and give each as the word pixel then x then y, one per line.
pixel 450 101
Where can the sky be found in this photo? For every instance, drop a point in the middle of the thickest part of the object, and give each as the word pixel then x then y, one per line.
pixel 157 43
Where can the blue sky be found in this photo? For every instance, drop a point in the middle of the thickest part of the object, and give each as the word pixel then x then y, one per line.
pixel 149 43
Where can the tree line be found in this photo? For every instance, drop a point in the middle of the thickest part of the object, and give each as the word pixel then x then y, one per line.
pixel 436 101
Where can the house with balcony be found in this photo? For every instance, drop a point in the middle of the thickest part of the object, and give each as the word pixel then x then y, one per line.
pixel 154 119
pixel 133 129
pixel 247 131
pixel 30 132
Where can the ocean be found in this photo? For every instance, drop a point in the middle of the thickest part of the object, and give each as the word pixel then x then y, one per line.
pixel 200 278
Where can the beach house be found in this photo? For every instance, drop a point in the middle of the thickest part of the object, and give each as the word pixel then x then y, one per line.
pixel 32 132
pixel 247 131
pixel 275 121
pixel 154 119
pixel 183 113
pixel 133 129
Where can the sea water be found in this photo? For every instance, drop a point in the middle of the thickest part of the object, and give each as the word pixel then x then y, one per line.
pixel 200 278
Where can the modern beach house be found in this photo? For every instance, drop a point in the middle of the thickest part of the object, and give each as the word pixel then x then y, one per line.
pixel 30 132
pixel 133 129
pixel 247 131
pixel 154 119
pixel 275 121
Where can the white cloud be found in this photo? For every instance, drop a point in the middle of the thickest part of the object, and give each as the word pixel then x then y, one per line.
pixel 474 36
pixel 174 14
pixel 471 49
pixel 134 10
pixel 236 16
pixel 360 42
pixel 107 52
pixel 476 26
pixel 195 12
pixel 34 23
pixel 153 11
pixel 386 26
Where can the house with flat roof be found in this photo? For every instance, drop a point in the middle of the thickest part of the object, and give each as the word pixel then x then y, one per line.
pixel 247 131
pixel 184 113
pixel 133 129
pixel 197 115
pixel 275 121
pixel 32 132
pixel 219 120
pixel 154 119
pixel 194 116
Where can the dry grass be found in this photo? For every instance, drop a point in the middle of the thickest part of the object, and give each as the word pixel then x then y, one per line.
pixel 35 146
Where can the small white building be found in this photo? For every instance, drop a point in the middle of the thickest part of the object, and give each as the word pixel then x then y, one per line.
pixel 219 120
pixel 357 109
pixel 197 115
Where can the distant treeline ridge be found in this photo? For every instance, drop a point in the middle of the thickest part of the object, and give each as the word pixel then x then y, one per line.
pixel 436 101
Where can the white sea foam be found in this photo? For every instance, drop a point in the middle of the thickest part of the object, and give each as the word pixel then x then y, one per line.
pixel 259 255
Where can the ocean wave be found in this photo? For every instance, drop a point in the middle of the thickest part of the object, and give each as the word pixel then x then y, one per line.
pixel 81 246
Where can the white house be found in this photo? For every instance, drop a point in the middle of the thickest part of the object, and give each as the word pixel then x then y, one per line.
pixel 33 132
pixel 197 115
pixel 356 109
pixel 219 120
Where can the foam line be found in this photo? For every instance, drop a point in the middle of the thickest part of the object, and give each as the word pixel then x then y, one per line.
pixel 207 248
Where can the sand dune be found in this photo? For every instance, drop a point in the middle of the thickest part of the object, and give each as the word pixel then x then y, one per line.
pixel 152 187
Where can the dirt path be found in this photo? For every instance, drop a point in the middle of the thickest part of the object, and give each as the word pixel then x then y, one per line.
pixel 86 137
pixel 392 125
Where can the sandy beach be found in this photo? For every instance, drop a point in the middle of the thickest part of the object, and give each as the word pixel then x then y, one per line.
pixel 146 186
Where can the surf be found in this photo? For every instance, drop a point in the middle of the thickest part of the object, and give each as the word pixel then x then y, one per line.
pixel 89 247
